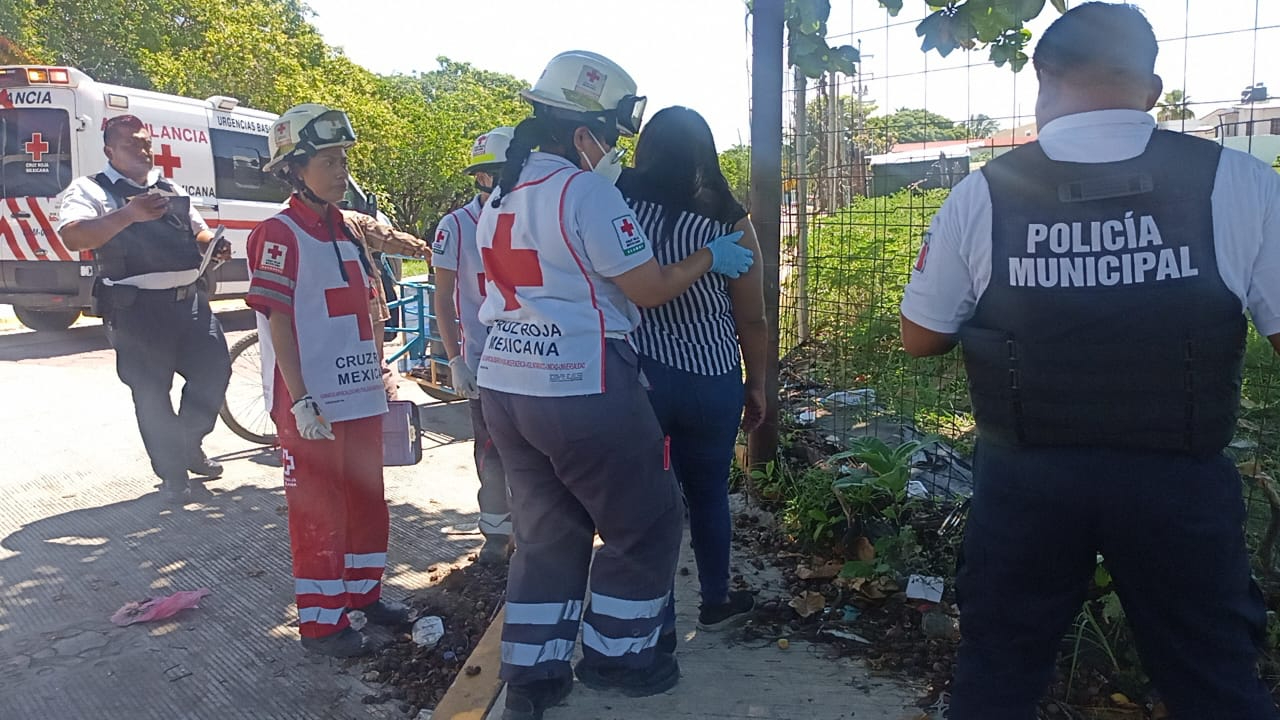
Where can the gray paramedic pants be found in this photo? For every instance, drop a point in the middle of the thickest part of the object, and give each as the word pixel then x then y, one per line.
pixel 495 517
pixel 576 466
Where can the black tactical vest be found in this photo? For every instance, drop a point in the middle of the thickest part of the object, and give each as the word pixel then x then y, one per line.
pixel 161 245
pixel 1106 322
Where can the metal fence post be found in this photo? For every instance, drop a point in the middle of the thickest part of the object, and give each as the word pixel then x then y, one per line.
pixel 766 197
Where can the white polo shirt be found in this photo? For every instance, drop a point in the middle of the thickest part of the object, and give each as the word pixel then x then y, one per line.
pixel 955 269
pixel 85 199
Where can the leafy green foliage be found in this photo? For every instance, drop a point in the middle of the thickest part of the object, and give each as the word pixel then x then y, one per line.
pixel 735 163
pixel 997 25
pixel 916 125
pixel 1175 105
pixel 807 47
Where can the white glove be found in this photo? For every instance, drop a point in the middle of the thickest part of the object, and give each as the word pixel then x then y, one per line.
pixel 464 380
pixel 311 424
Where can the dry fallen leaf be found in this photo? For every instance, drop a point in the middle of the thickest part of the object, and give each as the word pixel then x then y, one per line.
pixel 822 572
pixel 866 551
pixel 808 603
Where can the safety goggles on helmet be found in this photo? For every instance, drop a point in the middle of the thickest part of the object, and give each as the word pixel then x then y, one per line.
pixel 327 129
pixel 631 114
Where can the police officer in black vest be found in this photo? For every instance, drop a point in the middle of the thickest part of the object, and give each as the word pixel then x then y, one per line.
pixel 147 243
pixel 1096 281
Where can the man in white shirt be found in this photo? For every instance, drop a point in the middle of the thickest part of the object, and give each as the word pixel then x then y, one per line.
pixel 1097 282
pixel 147 242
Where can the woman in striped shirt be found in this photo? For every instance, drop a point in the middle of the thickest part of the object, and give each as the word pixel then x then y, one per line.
pixel 693 348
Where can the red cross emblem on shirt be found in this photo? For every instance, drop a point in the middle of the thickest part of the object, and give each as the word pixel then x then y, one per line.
pixel 275 252
pixel 507 267
pixel 351 299
pixel 167 161
pixel 628 228
pixel 37 147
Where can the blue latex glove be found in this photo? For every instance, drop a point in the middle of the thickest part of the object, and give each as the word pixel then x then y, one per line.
pixel 728 257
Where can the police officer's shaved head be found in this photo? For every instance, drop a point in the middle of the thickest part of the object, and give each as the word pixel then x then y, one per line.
pixel 1099 38
pixel 1098 56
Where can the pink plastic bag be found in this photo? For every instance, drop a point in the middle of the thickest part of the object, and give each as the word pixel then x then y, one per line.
pixel 158 608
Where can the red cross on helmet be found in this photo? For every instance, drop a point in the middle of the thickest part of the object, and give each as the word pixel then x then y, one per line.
pixel 303 130
pixel 591 84
pixel 489 151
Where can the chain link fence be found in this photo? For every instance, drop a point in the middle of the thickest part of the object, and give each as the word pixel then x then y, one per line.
pixel 868 160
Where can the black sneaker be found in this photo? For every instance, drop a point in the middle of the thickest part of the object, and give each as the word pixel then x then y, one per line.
pixel 726 615
pixel 667 643
pixel 205 469
pixel 659 677
pixel 386 613
pixel 175 493
pixel 342 644
pixel 528 701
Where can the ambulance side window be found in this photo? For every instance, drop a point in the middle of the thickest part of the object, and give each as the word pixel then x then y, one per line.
pixel 35 152
pixel 237 168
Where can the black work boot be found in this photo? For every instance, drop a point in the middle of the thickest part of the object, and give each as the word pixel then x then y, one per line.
pixel 386 613
pixel 494 550
pixel 342 644
pixel 527 701
pixel 204 468
pixel 727 614
pixel 658 677
pixel 175 492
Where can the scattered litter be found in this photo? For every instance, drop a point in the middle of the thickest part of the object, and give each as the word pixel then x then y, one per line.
pixel 850 613
pixel 783 643
pixel 1243 444
pixel 806 417
pixel 357 619
pixel 851 398
pixel 916 489
pixel 925 587
pixel 158 608
pixel 449 656
pixel 844 635
pixel 428 630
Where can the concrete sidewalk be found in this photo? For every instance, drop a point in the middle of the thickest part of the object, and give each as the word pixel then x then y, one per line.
pixel 725 679
pixel 82 532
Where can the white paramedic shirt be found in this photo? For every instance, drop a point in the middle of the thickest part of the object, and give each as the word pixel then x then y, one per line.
pixel 548 252
pixel 454 248
pixel 954 270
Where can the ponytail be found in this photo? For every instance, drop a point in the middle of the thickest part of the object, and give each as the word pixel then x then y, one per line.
pixel 530 133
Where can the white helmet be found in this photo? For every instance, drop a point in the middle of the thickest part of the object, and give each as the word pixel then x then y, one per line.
pixel 588 83
pixel 490 150
pixel 303 130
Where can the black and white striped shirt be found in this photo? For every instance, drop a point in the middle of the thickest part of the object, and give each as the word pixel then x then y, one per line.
pixel 694 332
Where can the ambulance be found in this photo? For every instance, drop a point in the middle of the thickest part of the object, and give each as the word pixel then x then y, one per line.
pixel 51 121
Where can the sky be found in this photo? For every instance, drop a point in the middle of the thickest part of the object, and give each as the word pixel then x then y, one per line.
pixel 697 52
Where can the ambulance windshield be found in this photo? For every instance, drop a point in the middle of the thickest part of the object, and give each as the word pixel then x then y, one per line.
pixel 35 152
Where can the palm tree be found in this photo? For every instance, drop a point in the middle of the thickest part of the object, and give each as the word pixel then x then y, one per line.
pixel 982 126
pixel 1175 106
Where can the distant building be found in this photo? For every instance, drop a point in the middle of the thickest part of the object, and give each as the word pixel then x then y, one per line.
pixel 1252 125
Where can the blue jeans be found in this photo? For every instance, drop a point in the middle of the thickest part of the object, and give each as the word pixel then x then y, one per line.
pixel 700 414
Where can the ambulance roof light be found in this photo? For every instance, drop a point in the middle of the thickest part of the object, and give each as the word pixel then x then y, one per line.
pixel 118 102
pixel 37 75
pixel 223 103
pixel 59 76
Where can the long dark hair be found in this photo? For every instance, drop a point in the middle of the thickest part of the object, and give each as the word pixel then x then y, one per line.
pixel 547 127
pixel 677 164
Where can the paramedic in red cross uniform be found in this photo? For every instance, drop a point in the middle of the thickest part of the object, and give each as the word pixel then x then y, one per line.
pixel 1096 281
pixel 460 288
pixel 312 284
pixel 565 266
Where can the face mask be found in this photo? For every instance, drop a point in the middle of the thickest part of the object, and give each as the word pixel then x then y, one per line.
pixel 610 165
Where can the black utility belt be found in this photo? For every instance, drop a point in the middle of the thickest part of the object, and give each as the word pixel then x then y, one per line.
pixel 118 297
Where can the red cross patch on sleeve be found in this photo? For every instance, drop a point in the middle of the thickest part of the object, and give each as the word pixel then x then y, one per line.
pixel 630 236
pixel 441 242
pixel 273 256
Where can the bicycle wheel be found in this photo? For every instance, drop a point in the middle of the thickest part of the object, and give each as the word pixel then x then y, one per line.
pixel 244 410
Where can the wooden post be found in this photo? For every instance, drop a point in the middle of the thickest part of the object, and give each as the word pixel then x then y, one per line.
pixel 766 196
